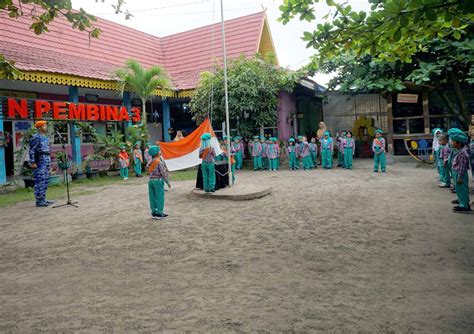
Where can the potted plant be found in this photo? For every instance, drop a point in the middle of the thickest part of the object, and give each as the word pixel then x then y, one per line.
pixel 63 162
pixel 27 173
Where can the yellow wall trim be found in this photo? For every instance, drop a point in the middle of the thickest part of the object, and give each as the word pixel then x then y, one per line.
pixel 72 80
pixel 186 93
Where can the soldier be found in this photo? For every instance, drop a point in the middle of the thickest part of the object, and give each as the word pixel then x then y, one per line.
pixel 40 162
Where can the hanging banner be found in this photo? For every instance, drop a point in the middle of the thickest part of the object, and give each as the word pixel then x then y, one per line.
pixel 68 111
pixel 185 152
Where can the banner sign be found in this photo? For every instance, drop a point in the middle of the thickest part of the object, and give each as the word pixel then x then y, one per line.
pixel 407 98
pixel 68 111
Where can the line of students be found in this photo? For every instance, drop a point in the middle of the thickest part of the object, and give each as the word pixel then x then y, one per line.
pixel 303 154
pixel 452 156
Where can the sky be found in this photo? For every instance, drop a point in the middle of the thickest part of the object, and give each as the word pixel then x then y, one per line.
pixel 166 17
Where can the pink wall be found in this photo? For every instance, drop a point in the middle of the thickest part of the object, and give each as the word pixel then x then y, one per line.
pixel 286 107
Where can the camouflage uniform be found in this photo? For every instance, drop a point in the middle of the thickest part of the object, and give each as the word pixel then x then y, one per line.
pixel 39 154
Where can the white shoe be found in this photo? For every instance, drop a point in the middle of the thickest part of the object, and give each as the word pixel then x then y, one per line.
pixel 125 178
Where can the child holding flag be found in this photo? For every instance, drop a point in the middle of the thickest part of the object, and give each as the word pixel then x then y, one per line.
pixel 208 155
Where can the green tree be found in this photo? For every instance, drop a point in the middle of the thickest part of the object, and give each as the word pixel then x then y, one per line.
pixel 134 78
pixel 253 86
pixel 46 12
pixel 421 41
pixel 441 63
pixel 393 30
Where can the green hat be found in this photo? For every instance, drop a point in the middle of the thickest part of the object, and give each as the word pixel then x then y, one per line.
pixel 206 136
pixel 274 139
pixel 291 140
pixel 453 131
pixel 122 146
pixel 154 150
pixel 379 131
pixel 256 137
pixel 148 144
pixel 225 138
pixel 460 137
pixel 326 133
pixel 238 137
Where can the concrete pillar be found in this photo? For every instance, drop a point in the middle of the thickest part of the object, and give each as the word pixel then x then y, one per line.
pixel 75 139
pixel 166 119
pixel 3 169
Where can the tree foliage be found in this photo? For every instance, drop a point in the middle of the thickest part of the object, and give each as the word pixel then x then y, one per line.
pixel 420 41
pixel 393 30
pixel 43 13
pixel 134 78
pixel 253 86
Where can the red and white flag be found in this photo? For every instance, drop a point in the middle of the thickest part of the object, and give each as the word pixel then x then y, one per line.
pixel 185 152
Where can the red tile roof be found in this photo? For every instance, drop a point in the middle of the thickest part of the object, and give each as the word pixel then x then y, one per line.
pixel 69 51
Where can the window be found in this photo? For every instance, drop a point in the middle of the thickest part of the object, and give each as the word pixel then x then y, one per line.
pixel 111 127
pixel 61 133
pixel 87 137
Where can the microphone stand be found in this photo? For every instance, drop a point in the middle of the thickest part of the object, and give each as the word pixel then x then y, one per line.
pixel 69 202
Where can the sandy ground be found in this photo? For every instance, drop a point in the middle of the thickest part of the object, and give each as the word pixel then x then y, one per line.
pixel 339 251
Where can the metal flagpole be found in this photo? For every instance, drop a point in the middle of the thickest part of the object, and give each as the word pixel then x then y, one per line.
pixel 227 121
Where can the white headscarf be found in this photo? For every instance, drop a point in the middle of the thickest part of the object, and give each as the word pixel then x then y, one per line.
pixel 436 138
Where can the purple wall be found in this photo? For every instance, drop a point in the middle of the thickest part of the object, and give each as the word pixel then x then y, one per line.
pixel 286 107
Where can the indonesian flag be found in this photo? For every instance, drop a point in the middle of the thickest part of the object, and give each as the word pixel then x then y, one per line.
pixel 185 152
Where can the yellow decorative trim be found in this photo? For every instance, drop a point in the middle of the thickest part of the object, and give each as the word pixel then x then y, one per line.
pixel 186 93
pixel 72 80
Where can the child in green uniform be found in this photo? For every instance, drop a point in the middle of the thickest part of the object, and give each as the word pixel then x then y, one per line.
pixel 378 147
pixel 208 155
pixel 156 184
pixel 291 154
pixel 264 153
pixel 313 149
pixel 348 146
pixel 256 152
pixel 460 171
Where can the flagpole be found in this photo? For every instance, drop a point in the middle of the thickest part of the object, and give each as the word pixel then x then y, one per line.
pixel 226 94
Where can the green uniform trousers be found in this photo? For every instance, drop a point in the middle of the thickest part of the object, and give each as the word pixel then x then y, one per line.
pixel 340 158
pixel 257 163
pixel 326 158
pixel 314 158
pixel 156 194
pixel 348 157
pixel 272 164
pixel 462 190
pixel 137 166
pixel 379 160
pixel 239 160
pixel 208 176
pixel 124 172
pixel 307 162
pixel 292 160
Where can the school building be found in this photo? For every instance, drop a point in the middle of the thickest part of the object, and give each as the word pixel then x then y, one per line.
pixel 405 116
pixel 65 65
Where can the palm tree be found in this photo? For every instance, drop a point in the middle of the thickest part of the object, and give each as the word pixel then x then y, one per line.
pixel 134 78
